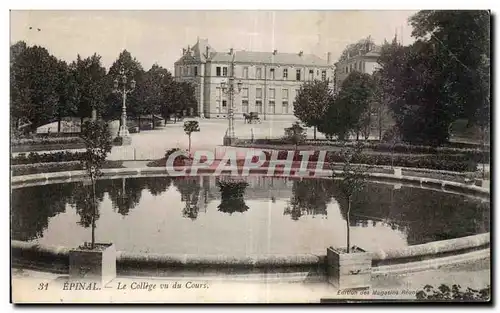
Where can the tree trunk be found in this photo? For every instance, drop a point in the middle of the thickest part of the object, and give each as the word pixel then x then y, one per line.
pixel 153 120
pixel 81 123
pixel 139 124
pixel 357 135
pixel 189 149
pixel 314 132
pixel 348 221
pixel 94 208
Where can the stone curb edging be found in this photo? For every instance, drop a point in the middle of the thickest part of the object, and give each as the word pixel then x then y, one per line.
pixel 382 259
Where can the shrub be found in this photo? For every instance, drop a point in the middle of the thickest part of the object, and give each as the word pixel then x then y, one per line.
pixel 36 168
pixel 455 293
pixel 34 157
pixel 45 141
pixel 445 162
pixel 179 160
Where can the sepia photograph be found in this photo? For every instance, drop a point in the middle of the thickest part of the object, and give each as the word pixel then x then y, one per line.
pixel 250 156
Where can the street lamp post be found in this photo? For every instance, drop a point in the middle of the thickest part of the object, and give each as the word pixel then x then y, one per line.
pixel 120 87
pixel 230 89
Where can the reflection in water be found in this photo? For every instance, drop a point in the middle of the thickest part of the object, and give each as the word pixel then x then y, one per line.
pixel 189 188
pixel 382 215
pixel 33 206
pixel 126 193
pixel 310 197
pixel 232 192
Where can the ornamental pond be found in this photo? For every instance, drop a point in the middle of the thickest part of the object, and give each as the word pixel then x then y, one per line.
pixel 210 215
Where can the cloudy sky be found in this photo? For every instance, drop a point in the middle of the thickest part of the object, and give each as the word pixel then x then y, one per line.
pixel 159 36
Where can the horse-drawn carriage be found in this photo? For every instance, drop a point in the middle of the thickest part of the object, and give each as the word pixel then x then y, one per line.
pixel 252 116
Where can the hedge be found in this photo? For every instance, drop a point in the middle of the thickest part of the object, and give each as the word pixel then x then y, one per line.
pixel 33 157
pixel 45 140
pixel 475 154
pixel 36 168
pixel 455 163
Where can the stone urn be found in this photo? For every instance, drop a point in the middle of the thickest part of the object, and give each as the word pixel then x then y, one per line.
pixel 349 270
pixel 95 265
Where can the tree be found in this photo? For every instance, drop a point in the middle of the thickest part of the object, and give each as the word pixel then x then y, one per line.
pixel 352 180
pixel 350 110
pixel 189 128
pixel 152 91
pixel 312 101
pixel 95 135
pixel 133 70
pixel 33 87
pixel 461 39
pixel 295 134
pixel 67 90
pixel 380 106
pixel 90 78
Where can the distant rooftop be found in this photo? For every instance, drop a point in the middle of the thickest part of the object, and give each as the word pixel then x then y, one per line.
pixel 202 52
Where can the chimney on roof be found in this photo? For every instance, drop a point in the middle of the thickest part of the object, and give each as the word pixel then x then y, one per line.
pixel 231 51
pixel 207 54
pixel 328 57
pixel 301 53
pixel 275 52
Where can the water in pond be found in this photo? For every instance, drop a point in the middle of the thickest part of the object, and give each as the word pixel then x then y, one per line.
pixel 263 215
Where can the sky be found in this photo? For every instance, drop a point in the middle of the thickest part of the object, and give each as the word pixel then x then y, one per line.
pixel 158 36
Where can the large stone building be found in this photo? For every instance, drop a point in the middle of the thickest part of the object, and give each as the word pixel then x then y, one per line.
pixel 270 80
pixel 362 57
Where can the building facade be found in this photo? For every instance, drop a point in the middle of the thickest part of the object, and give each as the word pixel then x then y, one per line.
pixel 361 57
pixel 270 80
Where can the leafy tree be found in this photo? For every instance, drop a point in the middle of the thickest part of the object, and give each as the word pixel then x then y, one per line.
pixel 67 90
pixel 350 109
pixel 33 88
pixel 189 128
pixel 461 39
pixel 133 70
pixel 90 78
pixel 152 91
pixel 95 135
pixel 295 134
pixel 352 180
pixel 312 101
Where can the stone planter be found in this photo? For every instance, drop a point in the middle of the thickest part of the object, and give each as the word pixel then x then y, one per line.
pixel 483 183
pixel 96 265
pixel 349 270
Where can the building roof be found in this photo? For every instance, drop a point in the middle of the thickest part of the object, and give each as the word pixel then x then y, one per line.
pixel 198 53
pixel 269 58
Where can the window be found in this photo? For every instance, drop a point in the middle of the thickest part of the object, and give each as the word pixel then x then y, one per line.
pixel 285 73
pixel 244 92
pixel 272 107
pixel 272 73
pixel 217 93
pixel 323 75
pixel 346 70
pixel 311 74
pixel 196 71
pixel 244 106
pixel 285 107
pixel 217 106
pixel 217 71
pixel 272 93
pixel 297 75
pixel 224 71
pixel 284 93
pixel 224 104
pixel 258 93
pixel 245 72
pixel 258 106
pixel 258 73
